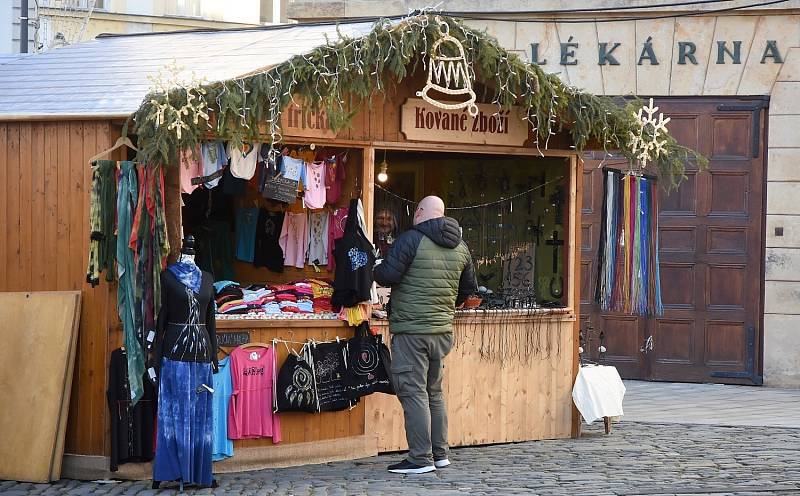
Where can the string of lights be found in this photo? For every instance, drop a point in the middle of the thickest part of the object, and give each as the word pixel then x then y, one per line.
pixel 480 205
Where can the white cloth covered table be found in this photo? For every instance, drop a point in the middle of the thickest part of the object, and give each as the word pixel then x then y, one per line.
pixel 598 392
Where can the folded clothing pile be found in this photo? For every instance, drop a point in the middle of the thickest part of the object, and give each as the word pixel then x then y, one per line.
pixel 302 297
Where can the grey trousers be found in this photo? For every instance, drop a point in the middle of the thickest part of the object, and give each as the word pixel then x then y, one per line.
pixel 417 370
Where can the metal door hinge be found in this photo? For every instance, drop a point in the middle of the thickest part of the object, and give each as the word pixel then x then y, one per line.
pixel 749 371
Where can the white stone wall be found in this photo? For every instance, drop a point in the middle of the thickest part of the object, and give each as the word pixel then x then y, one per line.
pixel 782 286
pixel 750 77
pixel 668 77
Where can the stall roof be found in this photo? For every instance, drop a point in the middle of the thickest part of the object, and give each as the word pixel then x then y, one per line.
pixel 5 58
pixel 107 76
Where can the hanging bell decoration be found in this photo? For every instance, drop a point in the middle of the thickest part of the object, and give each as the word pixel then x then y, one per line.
pixel 448 73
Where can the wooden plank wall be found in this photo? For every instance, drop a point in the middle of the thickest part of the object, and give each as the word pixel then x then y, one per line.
pixel 493 402
pixel 44 236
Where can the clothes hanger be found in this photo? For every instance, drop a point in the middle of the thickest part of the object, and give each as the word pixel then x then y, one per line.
pixel 121 141
pixel 254 345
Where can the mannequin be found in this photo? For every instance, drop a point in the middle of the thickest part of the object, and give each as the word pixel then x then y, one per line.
pixel 185 355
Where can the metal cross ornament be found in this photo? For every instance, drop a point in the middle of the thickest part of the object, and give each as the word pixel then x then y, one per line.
pixel 448 73
pixel 649 140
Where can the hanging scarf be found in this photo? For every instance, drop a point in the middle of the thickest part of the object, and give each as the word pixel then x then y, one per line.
pixel 102 239
pixel 126 304
pixel 628 274
pixel 188 274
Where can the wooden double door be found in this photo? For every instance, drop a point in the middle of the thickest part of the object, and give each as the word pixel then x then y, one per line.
pixel 711 238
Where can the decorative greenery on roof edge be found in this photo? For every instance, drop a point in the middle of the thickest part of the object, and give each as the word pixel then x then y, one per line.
pixel 344 75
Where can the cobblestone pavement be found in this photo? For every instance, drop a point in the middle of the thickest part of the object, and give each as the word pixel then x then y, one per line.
pixel 636 459
pixel 714 404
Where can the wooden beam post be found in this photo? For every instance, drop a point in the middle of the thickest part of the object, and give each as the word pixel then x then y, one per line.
pixel 368 187
pixel 172 201
pixel 576 196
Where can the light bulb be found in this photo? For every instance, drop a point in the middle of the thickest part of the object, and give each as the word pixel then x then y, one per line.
pixel 383 175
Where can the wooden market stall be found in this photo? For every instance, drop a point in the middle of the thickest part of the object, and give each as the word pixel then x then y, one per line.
pixel 510 374
pixel 519 399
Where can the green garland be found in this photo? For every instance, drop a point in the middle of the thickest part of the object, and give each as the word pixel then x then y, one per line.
pixel 343 76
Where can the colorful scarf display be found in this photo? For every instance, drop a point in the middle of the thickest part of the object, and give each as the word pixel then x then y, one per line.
pixel 130 196
pixel 628 270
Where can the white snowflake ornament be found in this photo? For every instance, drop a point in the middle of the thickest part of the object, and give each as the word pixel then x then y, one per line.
pixel 648 141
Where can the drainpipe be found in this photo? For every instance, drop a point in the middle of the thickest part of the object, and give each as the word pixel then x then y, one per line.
pixel 23 27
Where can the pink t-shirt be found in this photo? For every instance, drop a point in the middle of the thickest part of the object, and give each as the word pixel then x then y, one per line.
pixel 190 168
pixel 314 185
pixel 335 231
pixel 294 239
pixel 250 413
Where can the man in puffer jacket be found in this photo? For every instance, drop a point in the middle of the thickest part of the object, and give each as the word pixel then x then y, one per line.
pixel 429 269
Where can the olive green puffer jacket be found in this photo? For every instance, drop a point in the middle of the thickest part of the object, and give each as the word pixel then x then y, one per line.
pixel 429 269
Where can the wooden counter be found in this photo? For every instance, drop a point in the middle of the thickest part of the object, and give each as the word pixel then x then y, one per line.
pixel 508 378
pixel 492 399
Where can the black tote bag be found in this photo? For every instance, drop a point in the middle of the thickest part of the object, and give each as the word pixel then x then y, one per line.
pixel 294 387
pixel 330 372
pixel 368 364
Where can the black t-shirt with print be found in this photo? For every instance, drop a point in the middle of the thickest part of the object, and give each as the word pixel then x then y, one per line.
pixel 268 252
pixel 355 258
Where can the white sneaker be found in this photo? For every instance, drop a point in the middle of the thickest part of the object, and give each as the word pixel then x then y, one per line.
pixel 406 467
pixel 444 462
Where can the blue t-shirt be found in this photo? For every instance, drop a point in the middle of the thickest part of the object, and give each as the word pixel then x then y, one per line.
pixel 214 159
pixel 294 169
pixel 223 387
pixel 246 219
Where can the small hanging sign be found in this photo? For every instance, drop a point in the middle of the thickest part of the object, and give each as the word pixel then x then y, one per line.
pixel 233 338
pixel 281 189
pixel 422 121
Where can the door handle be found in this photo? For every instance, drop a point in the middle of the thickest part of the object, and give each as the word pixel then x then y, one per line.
pixel 647 346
